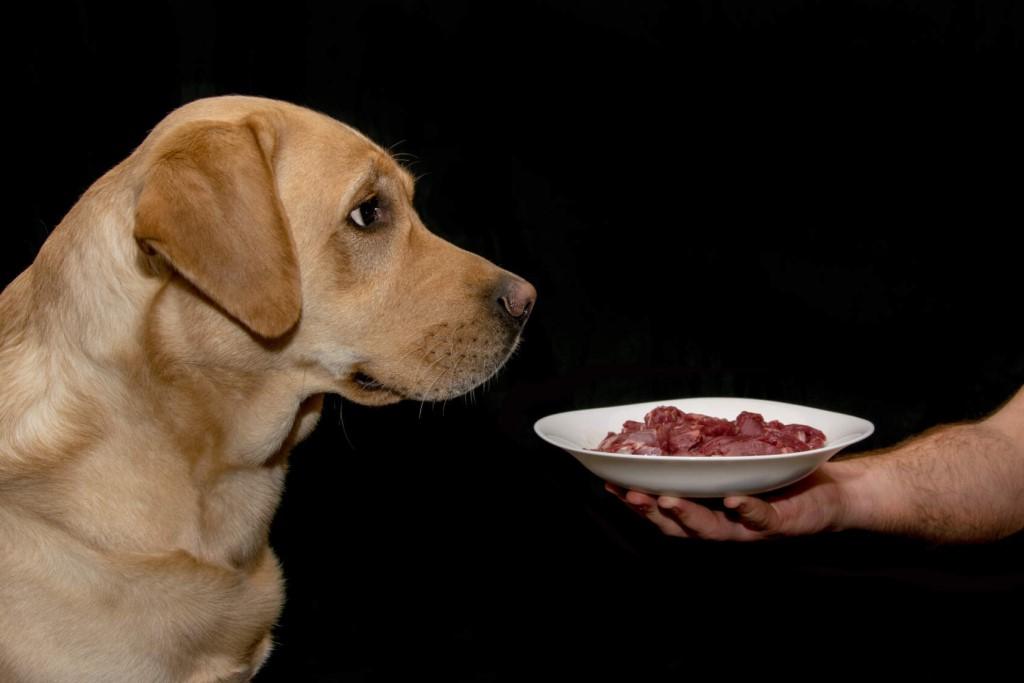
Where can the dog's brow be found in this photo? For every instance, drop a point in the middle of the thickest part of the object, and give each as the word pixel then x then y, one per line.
pixel 366 179
pixel 374 173
pixel 388 167
pixel 407 181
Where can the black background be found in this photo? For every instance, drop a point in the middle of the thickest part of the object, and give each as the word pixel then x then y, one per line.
pixel 803 201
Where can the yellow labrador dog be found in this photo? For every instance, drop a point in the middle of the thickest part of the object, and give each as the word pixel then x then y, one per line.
pixel 171 342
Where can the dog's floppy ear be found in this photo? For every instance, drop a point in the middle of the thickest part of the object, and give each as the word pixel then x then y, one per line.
pixel 209 206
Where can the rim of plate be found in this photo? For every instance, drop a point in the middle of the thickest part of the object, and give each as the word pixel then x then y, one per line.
pixel 869 429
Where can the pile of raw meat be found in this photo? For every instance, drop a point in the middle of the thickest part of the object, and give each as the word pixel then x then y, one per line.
pixel 669 431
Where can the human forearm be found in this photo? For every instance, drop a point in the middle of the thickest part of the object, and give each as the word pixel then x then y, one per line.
pixel 959 483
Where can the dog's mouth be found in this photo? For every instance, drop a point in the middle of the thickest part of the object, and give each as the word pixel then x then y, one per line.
pixel 367 389
pixel 368 383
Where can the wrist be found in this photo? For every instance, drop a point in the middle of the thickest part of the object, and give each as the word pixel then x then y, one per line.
pixel 866 495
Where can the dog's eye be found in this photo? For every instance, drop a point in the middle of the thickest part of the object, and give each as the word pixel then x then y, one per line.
pixel 366 214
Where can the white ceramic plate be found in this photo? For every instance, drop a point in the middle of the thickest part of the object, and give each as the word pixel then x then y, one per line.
pixel 579 431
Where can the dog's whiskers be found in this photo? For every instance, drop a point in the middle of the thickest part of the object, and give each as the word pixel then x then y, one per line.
pixel 341 421
pixel 426 394
pixel 454 370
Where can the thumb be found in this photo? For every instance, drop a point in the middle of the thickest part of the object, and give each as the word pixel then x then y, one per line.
pixel 755 513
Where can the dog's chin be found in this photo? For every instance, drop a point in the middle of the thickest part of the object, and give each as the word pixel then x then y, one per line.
pixel 366 389
pixel 371 386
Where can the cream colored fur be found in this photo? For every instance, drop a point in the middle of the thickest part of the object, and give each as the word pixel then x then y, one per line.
pixel 169 345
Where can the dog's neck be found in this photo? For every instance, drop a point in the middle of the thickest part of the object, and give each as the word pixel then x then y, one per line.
pixel 187 432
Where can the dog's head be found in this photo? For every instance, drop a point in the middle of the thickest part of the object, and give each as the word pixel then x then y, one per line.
pixel 293 227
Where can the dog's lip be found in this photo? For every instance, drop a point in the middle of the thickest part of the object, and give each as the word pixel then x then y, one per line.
pixel 368 383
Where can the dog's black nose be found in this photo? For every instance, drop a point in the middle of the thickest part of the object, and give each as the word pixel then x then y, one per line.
pixel 516 297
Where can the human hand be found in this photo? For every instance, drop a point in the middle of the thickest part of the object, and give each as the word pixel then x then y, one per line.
pixel 815 503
